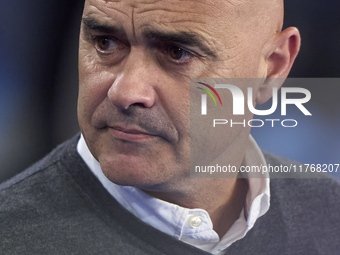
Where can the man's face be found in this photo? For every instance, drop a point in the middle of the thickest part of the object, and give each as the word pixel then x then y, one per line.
pixel 135 61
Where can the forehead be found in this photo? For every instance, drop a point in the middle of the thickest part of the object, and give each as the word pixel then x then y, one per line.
pixel 177 8
pixel 209 17
pixel 221 24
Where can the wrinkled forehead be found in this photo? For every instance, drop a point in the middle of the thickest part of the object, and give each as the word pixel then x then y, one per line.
pixel 162 12
pixel 204 7
pixel 225 21
pixel 218 12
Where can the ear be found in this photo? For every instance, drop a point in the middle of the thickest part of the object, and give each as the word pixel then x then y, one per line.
pixel 281 53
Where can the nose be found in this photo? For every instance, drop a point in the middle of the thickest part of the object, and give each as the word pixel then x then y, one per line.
pixel 135 84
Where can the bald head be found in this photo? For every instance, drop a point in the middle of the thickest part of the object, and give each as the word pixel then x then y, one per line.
pixel 268 14
pixel 260 18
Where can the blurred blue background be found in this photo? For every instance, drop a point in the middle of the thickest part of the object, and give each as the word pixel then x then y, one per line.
pixel 38 81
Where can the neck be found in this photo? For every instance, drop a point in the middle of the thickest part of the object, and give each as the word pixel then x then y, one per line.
pixel 224 216
pixel 223 199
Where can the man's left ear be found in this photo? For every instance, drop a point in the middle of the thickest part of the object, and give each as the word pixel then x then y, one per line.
pixel 280 57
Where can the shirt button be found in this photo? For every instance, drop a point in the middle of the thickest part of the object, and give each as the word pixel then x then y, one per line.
pixel 195 221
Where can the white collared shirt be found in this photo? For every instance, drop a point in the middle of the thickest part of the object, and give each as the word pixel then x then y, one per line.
pixel 192 226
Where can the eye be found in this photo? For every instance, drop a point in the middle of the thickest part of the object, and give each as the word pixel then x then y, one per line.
pixel 177 53
pixel 106 44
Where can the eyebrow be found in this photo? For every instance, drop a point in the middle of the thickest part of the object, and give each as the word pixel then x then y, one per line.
pixel 182 37
pixel 152 34
pixel 94 24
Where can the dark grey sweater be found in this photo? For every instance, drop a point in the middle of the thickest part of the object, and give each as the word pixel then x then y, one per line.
pixel 58 207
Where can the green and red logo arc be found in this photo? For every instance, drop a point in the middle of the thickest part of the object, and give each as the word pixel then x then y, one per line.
pixel 209 93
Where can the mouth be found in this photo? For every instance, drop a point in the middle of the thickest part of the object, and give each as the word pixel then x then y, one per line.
pixel 131 134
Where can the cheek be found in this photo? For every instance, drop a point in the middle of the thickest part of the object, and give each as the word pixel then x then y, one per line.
pixel 94 83
pixel 181 120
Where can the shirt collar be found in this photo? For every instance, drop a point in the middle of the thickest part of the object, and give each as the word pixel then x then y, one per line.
pixel 177 221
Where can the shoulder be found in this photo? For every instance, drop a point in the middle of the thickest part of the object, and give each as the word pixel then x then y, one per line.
pixel 33 187
pixel 314 198
pixel 308 206
pixel 31 193
pixel 61 153
pixel 302 184
pixel 35 203
pixel 303 217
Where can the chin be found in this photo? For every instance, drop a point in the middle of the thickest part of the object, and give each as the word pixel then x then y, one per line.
pixel 137 172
